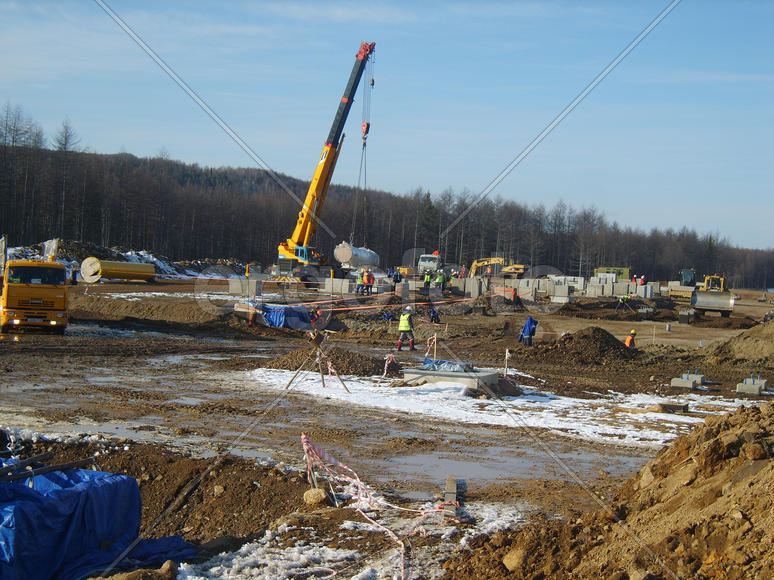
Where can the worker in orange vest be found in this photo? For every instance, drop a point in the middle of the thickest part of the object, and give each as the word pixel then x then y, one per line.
pixel 629 342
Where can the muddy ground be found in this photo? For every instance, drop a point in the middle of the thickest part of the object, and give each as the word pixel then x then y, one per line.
pixel 149 366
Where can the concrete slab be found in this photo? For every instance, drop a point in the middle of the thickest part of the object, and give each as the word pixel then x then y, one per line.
pixel 474 379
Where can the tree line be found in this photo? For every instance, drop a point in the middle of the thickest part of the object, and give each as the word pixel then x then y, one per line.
pixel 183 211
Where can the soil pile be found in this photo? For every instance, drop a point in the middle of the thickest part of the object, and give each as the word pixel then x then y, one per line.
pixel 346 362
pixel 235 498
pixel 703 508
pixel 588 346
pixel 755 344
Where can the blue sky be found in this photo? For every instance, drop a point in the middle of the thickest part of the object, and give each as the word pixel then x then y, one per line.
pixel 681 133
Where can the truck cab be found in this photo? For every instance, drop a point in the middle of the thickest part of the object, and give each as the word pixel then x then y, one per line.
pixel 34 295
pixel 429 263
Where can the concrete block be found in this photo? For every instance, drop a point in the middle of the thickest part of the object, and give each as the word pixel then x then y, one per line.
pixel 752 386
pixel 682 383
pixel 594 290
pixel 560 299
pixel 541 285
pixel 621 288
pixel 245 286
pixel 561 291
pixel 645 291
pixel 749 388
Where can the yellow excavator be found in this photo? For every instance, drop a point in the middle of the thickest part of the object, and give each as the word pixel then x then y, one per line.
pixel 509 269
pixel 713 296
pixel 296 257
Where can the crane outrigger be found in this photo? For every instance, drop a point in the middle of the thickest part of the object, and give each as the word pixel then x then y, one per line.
pixel 296 256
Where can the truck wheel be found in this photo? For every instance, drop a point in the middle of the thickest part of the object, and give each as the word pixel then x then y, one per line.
pixel 725 314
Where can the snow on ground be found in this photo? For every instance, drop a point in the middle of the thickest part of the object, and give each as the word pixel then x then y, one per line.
pixel 137 296
pixel 266 559
pixel 614 418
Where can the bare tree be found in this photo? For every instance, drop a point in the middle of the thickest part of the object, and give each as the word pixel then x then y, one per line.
pixel 66 141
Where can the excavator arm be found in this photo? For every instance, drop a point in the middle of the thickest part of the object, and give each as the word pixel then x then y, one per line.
pixel 296 247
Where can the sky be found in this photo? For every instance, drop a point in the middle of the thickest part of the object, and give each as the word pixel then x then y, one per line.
pixel 680 133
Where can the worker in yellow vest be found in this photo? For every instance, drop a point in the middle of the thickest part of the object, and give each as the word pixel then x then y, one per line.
pixel 406 328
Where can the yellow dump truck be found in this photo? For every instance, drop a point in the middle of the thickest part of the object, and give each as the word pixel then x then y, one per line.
pixel 34 295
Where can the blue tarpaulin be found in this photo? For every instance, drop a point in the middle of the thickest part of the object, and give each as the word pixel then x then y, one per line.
pixel 430 364
pixel 74 523
pixel 284 316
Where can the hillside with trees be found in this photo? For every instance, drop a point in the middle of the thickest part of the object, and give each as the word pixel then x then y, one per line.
pixel 53 188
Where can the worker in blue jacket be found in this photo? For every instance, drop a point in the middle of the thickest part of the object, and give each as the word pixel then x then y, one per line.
pixel 528 331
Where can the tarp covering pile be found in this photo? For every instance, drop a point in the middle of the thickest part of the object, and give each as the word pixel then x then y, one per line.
pixel 444 365
pixel 73 523
pixel 284 316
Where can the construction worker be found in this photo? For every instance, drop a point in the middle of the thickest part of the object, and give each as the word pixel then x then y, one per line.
pixel 369 282
pixel 428 278
pixel 406 328
pixel 359 282
pixel 463 271
pixel 623 302
pixel 440 280
pixel 528 331
pixel 433 316
pixel 629 342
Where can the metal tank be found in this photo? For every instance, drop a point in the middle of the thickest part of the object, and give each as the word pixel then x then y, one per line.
pixel 93 269
pixel 352 257
pixel 708 301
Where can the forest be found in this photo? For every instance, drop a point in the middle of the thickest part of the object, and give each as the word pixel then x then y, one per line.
pixel 55 188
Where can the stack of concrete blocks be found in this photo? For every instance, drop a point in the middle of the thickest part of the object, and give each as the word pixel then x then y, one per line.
pixel 245 286
pixel 687 381
pixel 752 385
pixel 560 293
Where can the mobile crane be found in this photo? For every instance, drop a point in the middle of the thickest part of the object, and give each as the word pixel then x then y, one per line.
pixel 296 256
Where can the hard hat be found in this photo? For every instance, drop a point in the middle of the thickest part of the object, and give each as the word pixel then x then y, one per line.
pixel 409 309
pixel 633 331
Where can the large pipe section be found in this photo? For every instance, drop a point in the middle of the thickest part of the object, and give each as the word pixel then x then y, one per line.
pixel 93 270
pixel 352 257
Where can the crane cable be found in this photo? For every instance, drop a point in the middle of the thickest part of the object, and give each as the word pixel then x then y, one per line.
pixel 365 126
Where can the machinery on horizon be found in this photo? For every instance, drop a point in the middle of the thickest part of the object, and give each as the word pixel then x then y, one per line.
pixel 507 269
pixel 296 258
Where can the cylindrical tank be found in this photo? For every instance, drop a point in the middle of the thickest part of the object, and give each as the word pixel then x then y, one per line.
pixel 354 257
pixel 93 269
pixel 713 301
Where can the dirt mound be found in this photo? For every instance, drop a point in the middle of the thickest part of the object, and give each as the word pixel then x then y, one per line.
pixel 702 508
pixel 592 345
pixel 257 494
pixel 346 362
pixel 756 344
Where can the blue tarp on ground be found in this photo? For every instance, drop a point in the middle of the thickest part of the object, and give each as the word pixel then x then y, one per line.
pixel 73 523
pixel 284 316
pixel 430 364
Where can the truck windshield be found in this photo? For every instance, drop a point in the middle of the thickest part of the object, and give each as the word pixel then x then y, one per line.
pixel 36 275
